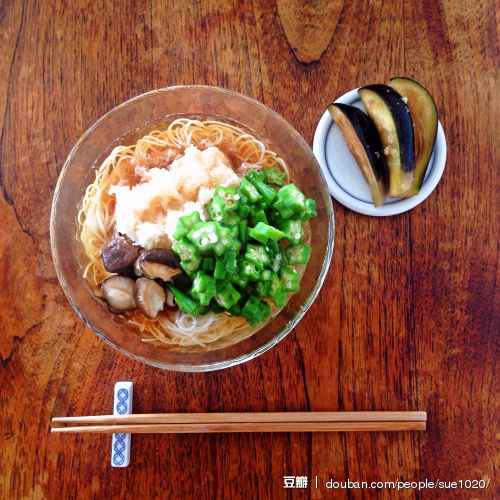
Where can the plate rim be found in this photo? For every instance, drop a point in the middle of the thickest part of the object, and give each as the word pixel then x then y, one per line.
pixel 342 196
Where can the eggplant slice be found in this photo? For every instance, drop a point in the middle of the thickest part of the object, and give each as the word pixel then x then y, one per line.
pixel 425 121
pixel 364 143
pixel 394 124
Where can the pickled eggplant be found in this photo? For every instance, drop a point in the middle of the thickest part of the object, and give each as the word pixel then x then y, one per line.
pixel 364 143
pixel 425 121
pixel 393 121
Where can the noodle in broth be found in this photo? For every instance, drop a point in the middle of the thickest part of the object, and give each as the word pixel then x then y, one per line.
pixel 96 221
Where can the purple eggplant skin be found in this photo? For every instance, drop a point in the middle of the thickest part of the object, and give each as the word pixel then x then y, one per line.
pixel 364 143
pixel 424 115
pixel 395 114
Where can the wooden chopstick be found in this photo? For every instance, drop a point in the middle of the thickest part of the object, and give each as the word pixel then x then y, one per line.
pixel 262 417
pixel 177 423
pixel 246 427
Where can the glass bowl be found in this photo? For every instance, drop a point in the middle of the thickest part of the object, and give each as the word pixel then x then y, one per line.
pixel 121 126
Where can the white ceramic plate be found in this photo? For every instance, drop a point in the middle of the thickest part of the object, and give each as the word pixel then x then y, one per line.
pixel 344 179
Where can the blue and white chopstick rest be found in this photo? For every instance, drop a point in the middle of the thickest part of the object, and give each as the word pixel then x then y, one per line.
pixel 121 444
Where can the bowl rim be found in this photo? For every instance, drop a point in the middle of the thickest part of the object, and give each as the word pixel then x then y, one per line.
pixel 303 308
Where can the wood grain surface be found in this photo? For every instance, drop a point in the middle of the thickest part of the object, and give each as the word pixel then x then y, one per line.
pixel 408 317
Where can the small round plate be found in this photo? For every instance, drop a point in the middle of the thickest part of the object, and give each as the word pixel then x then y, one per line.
pixel 344 178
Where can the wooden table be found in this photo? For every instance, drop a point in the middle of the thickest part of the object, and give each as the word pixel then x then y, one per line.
pixel 407 318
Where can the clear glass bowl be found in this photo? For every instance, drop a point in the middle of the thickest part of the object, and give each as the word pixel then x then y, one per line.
pixel 125 124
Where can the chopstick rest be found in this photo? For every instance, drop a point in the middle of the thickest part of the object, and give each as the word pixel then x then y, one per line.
pixel 121 443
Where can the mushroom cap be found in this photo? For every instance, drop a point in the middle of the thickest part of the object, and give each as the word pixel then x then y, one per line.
pixel 158 263
pixel 162 256
pixel 182 281
pixel 119 255
pixel 118 292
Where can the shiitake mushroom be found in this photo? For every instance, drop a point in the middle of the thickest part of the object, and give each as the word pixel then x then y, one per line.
pixel 122 293
pixel 158 264
pixel 150 297
pixel 170 302
pixel 182 281
pixel 118 291
pixel 119 255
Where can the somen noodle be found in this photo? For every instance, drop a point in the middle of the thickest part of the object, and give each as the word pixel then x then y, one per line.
pixel 124 166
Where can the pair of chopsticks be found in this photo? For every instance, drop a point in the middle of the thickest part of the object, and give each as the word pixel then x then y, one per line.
pixel 181 423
